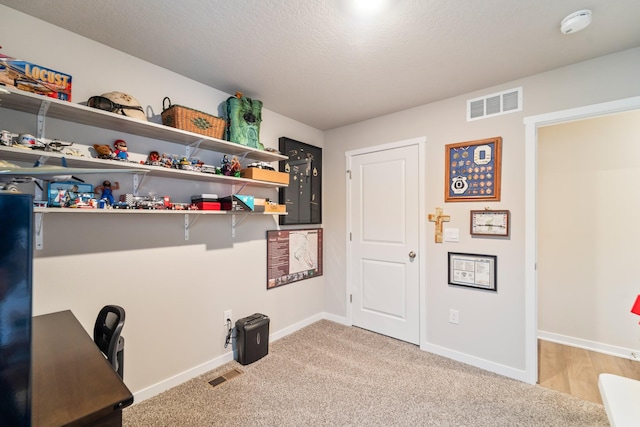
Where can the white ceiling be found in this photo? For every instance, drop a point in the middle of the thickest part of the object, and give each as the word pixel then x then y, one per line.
pixel 316 62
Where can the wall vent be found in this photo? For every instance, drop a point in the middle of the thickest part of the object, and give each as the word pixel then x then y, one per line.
pixel 508 101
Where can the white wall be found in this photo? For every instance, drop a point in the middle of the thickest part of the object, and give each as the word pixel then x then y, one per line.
pixel 174 291
pixel 491 332
pixel 149 268
pixel 588 206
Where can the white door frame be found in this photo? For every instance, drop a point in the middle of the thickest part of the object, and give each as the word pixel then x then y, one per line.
pixel 532 124
pixel 421 143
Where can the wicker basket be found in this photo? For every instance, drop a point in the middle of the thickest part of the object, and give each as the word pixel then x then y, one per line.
pixel 192 120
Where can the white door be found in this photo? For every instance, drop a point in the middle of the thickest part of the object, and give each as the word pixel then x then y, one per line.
pixel 384 242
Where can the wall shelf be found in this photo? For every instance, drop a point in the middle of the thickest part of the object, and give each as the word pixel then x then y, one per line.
pixel 81 114
pixel 27 155
pixel 43 107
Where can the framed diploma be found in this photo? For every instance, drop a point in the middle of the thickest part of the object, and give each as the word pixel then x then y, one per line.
pixel 472 170
pixel 473 271
pixel 490 223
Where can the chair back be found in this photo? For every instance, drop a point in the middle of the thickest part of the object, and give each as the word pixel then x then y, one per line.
pixel 106 333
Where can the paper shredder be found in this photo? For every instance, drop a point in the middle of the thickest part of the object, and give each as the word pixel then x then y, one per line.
pixel 252 338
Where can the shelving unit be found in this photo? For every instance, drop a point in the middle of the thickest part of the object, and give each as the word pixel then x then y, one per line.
pixel 44 107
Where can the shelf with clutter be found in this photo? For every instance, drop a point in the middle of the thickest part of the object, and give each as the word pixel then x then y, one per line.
pixel 44 107
pixel 115 157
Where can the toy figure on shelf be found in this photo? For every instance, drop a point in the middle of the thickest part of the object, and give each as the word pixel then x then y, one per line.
pixel 235 167
pixel 226 165
pixel 103 151
pixel 166 160
pixel 153 159
pixel 106 190
pixel 185 164
pixel 230 167
pixel 121 150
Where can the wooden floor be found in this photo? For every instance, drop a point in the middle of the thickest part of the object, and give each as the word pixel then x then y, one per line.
pixel 575 371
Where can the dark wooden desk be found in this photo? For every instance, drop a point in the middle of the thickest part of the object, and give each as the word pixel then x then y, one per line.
pixel 72 382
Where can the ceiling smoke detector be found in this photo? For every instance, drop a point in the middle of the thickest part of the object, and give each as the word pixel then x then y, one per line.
pixel 576 21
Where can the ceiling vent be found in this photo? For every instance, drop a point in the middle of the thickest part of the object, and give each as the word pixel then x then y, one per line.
pixel 508 101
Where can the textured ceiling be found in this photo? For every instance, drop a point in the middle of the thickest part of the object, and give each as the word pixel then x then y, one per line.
pixel 316 62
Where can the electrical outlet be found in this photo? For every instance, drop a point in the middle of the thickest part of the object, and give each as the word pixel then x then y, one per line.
pixel 454 316
pixel 227 315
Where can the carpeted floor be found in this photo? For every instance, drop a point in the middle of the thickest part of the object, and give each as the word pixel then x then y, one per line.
pixel 333 375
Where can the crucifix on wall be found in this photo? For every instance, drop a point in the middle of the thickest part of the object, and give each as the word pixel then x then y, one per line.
pixel 439 218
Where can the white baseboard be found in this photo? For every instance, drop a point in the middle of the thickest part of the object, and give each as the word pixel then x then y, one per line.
pixel 337 319
pixel 178 379
pixel 626 353
pixel 182 377
pixel 487 365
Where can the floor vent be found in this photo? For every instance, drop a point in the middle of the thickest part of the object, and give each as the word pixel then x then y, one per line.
pixel 508 101
pixel 225 377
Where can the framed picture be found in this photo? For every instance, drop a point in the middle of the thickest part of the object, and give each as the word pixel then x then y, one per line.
pixel 473 271
pixel 472 170
pixel 293 255
pixel 489 223
pixel 303 196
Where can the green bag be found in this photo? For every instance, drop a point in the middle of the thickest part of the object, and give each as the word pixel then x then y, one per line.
pixel 243 121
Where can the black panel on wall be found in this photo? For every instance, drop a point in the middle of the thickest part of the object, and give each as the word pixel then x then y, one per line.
pixel 303 196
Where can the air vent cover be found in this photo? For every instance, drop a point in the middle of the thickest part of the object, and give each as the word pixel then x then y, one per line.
pixel 508 101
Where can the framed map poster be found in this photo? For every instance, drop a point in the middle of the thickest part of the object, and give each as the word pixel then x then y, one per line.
pixel 303 196
pixel 293 255
pixel 472 170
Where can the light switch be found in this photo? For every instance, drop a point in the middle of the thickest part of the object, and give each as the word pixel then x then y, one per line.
pixel 451 234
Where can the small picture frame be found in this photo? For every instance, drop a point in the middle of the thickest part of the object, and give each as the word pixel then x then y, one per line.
pixel 472 170
pixel 490 223
pixel 473 271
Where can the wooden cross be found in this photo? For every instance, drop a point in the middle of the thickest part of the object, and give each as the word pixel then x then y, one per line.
pixel 438 218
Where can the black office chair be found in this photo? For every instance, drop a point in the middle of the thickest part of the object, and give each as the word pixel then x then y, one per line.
pixel 106 334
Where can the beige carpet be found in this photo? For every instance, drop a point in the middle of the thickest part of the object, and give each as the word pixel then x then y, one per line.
pixel 332 375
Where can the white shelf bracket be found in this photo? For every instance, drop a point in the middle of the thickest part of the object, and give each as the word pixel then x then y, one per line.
pixel 42 112
pixel 39 229
pixel 187 225
pixel 137 182
pixel 42 160
pixel 234 191
pixel 191 149
pixel 233 225
pixel 243 155
pixel 236 223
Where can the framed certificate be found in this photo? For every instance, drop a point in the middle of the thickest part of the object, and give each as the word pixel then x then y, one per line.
pixel 473 271
pixel 490 223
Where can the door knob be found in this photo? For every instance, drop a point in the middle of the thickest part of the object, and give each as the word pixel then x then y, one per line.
pixel 412 255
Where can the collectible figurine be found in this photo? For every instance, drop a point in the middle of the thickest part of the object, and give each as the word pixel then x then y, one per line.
pixel 235 167
pixel 107 191
pixel 225 165
pixel 103 151
pixel 121 149
pixel 166 160
pixel 153 159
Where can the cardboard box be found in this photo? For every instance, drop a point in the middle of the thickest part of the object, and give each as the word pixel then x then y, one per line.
pixel 70 194
pixel 273 208
pixel 34 78
pixel 265 175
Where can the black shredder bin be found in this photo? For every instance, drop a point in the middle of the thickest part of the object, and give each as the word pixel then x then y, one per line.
pixel 252 338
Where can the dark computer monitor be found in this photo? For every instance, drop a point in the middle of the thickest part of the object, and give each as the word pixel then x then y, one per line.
pixel 15 308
